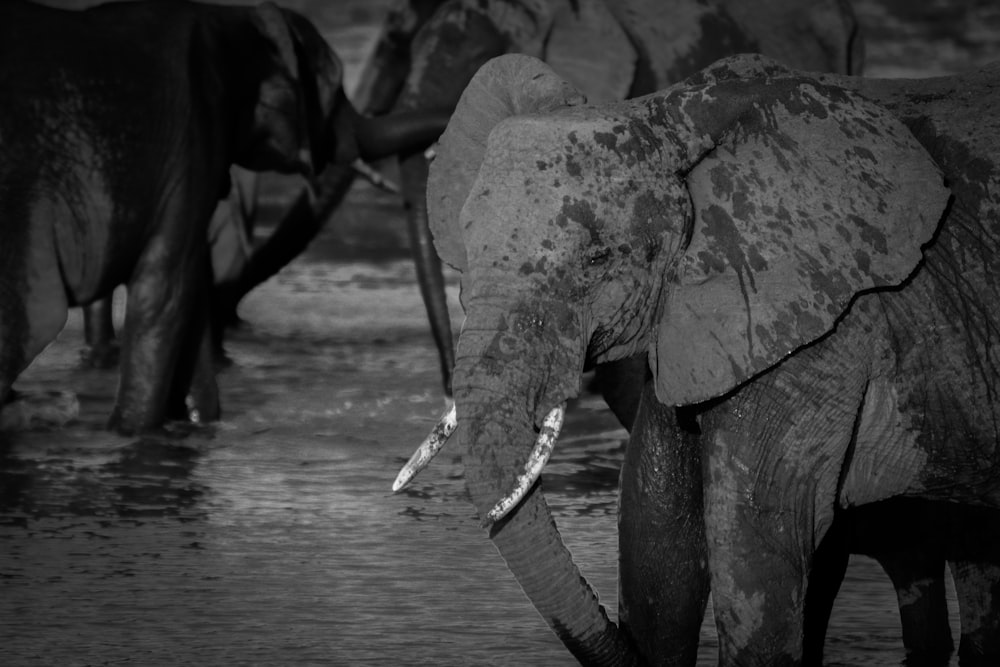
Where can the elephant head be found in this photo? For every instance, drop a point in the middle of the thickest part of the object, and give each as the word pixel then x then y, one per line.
pixel 430 49
pixel 301 120
pixel 715 227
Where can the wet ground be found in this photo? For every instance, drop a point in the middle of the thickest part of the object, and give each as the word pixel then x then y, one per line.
pixel 271 537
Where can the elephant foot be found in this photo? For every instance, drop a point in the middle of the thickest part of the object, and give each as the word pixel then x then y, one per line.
pixel 38 410
pixel 203 407
pixel 100 356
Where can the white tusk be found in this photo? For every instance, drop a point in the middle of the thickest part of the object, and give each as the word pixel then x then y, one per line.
pixel 539 456
pixel 375 177
pixel 431 445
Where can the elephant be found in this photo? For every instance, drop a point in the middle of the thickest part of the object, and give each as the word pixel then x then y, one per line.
pixel 230 244
pixel 121 125
pixel 429 50
pixel 816 311
pixel 647 46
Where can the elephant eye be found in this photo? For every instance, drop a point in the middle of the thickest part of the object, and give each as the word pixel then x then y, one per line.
pixel 599 257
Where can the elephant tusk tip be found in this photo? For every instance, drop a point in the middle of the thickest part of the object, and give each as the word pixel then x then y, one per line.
pixel 496 514
pixel 401 481
pixel 431 445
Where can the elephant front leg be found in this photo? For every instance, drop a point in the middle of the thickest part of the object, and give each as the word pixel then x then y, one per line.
pixel 758 561
pixel 663 561
pixel 918 577
pixel 194 379
pixel 99 332
pixel 974 557
pixel 977 585
pixel 162 308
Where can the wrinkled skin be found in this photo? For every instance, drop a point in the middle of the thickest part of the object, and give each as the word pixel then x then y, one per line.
pixel 727 290
pixel 126 120
pixel 938 326
pixel 429 50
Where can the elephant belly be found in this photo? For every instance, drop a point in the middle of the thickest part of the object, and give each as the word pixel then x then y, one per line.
pixel 89 267
pixel 930 420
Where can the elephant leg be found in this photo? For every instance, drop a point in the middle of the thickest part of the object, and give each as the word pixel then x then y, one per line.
pixel 663 581
pixel 230 236
pixel 162 308
pixel 828 569
pixel 33 306
pixel 195 374
pixel 759 552
pixel 974 557
pixel 918 577
pixel 300 224
pixel 413 172
pixel 99 334
pixel 977 585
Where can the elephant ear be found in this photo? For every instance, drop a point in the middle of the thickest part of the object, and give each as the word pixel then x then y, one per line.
pixel 506 86
pixel 294 124
pixel 811 197
pixel 576 32
pixel 674 39
pixel 276 134
pixel 330 119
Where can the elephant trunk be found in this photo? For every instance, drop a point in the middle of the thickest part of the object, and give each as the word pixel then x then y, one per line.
pixel 297 228
pixel 399 133
pixel 445 54
pixel 430 277
pixel 502 382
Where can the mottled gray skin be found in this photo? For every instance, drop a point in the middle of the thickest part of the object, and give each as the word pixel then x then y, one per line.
pixel 901 399
pixel 718 228
pixel 117 132
pixel 609 49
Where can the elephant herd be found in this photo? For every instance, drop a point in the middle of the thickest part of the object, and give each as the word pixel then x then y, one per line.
pixel 783 274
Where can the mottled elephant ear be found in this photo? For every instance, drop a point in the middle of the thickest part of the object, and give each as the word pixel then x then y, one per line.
pixel 505 86
pixel 813 195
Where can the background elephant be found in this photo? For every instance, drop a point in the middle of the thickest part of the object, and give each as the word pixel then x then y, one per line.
pixel 554 279
pixel 116 149
pixel 430 49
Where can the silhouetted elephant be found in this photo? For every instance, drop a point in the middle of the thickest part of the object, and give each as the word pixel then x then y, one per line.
pixel 117 132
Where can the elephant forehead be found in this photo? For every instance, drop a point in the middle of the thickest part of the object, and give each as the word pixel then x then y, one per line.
pixel 554 190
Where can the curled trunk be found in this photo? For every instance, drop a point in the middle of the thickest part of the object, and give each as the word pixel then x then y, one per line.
pixel 502 383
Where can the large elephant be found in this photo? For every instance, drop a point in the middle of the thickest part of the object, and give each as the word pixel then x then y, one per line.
pixel 429 50
pixel 747 234
pixel 117 133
